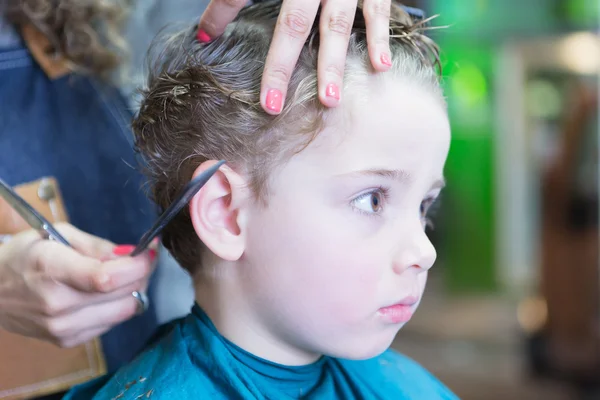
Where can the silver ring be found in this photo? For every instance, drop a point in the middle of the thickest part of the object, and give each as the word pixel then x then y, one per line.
pixel 45 235
pixel 142 300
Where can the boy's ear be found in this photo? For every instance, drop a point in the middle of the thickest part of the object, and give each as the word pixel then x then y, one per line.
pixel 217 212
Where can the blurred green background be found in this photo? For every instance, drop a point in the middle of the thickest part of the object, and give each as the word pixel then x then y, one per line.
pixel 476 32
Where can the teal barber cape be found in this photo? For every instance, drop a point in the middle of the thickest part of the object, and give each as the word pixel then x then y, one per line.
pixel 193 361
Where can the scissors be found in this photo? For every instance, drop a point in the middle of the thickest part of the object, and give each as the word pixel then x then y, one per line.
pixel 30 215
pixel 48 231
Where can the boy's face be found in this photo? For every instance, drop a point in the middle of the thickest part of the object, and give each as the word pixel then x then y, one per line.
pixel 342 238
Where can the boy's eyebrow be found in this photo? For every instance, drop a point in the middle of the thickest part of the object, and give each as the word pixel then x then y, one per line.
pixel 395 174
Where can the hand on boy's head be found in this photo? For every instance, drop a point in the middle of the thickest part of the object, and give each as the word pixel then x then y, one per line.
pixel 293 27
pixel 68 296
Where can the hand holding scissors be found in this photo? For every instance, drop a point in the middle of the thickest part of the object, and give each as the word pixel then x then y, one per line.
pixel 75 286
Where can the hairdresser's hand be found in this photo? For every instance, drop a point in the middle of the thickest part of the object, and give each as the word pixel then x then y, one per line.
pixel 68 296
pixel 293 27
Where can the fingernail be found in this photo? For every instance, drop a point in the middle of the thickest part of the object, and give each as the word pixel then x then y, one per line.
pixel 332 90
pixel 152 254
pixel 123 250
pixel 202 36
pixel 386 60
pixel 274 100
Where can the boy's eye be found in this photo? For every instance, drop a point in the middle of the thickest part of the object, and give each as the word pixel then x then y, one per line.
pixel 424 210
pixel 425 204
pixel 371 203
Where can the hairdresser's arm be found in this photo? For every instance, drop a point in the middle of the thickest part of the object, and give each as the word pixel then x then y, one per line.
pixel 293 27
pixel 66 296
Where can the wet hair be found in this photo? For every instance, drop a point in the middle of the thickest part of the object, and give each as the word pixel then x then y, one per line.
pixel 84 32
pixel 202 102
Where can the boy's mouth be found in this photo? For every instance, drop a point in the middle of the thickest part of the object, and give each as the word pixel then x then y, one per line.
pixel 399 312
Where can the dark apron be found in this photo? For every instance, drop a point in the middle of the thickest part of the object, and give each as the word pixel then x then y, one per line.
pixel 76 130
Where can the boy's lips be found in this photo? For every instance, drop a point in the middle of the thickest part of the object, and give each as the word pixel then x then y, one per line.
pixel 399 312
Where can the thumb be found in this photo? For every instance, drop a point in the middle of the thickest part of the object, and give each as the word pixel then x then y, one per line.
pixel 86 244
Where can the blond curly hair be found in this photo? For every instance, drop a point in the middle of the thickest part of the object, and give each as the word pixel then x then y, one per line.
pixel 84 32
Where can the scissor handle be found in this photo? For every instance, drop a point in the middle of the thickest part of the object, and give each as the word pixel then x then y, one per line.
pixel 44 234
pixel 49 232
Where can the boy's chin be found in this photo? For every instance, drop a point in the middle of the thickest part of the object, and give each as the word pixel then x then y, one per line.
pixel 365 348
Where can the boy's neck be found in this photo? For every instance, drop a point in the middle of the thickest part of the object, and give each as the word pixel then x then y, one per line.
pixel 225 303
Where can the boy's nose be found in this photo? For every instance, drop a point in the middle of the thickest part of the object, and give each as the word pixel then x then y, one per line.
pixel 416 251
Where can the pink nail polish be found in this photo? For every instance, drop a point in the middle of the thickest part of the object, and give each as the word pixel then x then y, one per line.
pixel 123 250
pixel 202 36
pixel 152 254
pixel 274 100
pixel 332 90
pixel 386 60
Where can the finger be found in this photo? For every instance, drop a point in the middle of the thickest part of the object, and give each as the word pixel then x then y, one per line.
pixel 154 251
pixel 85 243
pixel 54 262
pixel 293 27
pixel 57 300
pixel 128 270
pixel 62 264
pixel 216 17
pixel 335 27
pixel 94 317
pixel 377 18
pixel 82 337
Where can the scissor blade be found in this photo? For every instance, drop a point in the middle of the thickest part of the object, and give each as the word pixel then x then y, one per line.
pixel 21 206
pixel 188 192
pixel 28 213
